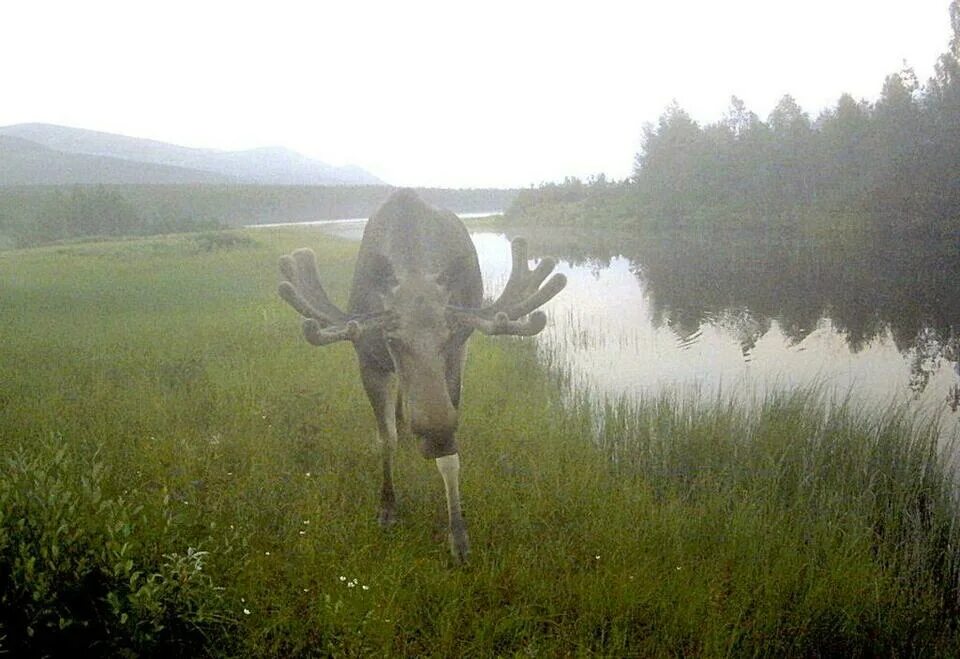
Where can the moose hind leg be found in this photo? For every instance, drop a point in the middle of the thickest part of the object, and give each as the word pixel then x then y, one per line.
pixel 449 467
pixel 381 389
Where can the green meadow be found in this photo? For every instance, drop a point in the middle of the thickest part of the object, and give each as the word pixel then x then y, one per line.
pixel 181 474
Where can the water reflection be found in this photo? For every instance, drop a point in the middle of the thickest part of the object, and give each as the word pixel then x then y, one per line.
pixel 639 317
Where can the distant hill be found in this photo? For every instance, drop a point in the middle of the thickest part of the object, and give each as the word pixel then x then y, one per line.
pixel 46 154
pixel 23 162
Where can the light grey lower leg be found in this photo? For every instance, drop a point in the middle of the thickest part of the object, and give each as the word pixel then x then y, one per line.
pixel 449 467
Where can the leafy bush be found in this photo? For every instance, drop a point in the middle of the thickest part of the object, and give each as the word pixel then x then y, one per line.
pixel 75 573
pixel 211 240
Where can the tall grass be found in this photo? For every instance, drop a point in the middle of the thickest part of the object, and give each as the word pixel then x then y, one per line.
pixel 181 474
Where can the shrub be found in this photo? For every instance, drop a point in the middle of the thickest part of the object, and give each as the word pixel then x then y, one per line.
pixel 209 241
pixel 75 574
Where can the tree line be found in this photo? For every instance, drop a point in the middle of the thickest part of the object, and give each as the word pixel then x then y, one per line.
pixel 31 215
pixel 895 161
pixel 102 211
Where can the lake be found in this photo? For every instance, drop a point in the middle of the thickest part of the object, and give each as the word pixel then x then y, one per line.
pixel 643 317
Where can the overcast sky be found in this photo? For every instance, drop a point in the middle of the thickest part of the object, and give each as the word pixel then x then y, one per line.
pixel 445 93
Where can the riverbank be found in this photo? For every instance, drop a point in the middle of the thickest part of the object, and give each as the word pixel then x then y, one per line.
pixel 182 473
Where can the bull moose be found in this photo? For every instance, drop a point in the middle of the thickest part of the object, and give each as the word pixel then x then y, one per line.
pixel 416 297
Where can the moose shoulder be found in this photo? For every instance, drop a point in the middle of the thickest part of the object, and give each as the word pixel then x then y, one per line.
pixel 416 297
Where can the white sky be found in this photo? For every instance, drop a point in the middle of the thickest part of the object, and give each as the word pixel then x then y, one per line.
pixel 444 93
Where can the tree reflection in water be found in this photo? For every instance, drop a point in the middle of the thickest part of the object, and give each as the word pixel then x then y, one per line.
pixel 893 308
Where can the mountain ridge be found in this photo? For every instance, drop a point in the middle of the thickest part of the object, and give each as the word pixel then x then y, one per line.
pixel 271 165
pixel 23 162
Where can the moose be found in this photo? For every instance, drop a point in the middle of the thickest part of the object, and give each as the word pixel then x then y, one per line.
pixel 416 297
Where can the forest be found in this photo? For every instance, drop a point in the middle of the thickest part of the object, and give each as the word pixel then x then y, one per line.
pixel 33 215
pixel 860 169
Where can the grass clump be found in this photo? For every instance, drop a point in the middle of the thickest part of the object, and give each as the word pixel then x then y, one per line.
pixel 196 467
pixel 832 530
pixel 211 240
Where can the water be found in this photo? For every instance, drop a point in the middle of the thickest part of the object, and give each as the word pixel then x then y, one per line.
pixel 351 228
pixel 638 318
pixel 641 317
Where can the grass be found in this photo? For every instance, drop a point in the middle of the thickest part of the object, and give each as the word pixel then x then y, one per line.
pixel 181 474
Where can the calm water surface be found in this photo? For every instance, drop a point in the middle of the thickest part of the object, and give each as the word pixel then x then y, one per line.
pixel 642 318
pixel 616 337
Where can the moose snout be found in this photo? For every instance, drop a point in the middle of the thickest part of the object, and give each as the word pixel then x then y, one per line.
pixel 426 399
pixel 434 420
pixel 436 428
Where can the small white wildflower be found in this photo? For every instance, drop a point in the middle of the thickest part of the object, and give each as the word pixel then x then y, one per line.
pixel 365 587
pixel 303 533
pixel 342 578
pixel 306 590
pixel 246 612
pixel 307 522
pixel 308 474
pixel 350 584
pixel 266 553
pixel 597 557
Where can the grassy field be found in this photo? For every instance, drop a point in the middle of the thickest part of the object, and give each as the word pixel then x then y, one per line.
pixel 182 474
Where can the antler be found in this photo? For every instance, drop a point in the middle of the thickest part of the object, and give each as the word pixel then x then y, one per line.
pixel 302 290
pixel 521 296
pixel 501 323
pixel 324 323
pixel 523 293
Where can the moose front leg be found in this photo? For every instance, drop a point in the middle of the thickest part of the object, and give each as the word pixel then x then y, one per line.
pixel 381 388
pixel 449 467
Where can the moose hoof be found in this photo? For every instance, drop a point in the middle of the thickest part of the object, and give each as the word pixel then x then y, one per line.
pixel 459 546
pixel 387 517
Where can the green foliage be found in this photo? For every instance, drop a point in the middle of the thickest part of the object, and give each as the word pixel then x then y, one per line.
pixel 596 202
pixel 211 240
pixel 35 216
pixel 77 572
